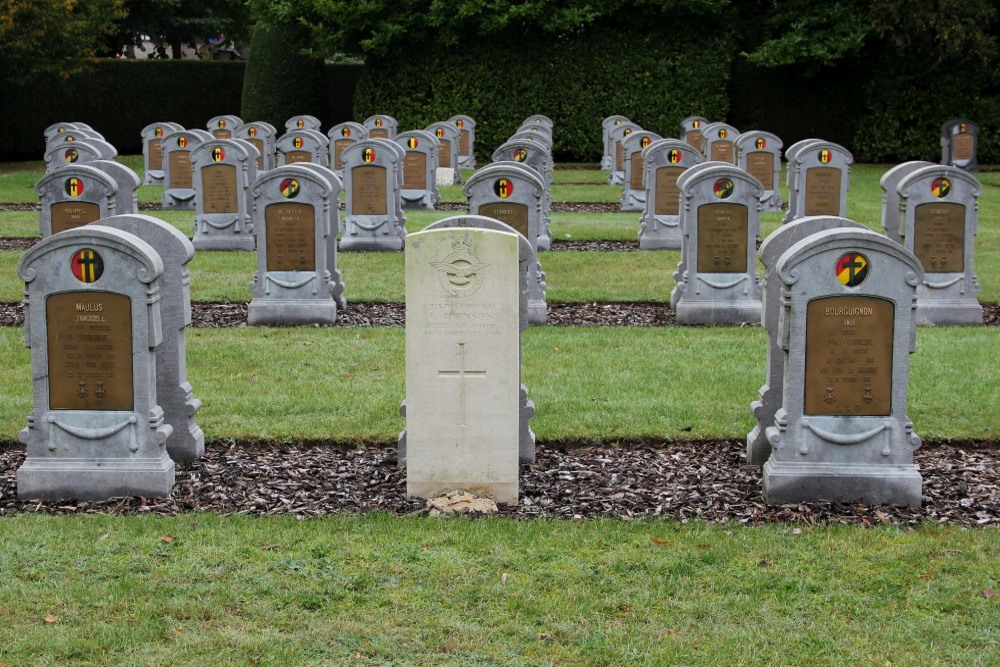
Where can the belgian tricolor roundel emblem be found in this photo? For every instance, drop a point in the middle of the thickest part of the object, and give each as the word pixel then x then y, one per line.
pixel 72 155
pixel 645 141
pixel 617 122
pixel 345 132
pixel 723 134
pixel 503 188
pixel 158 132
pixel 760 143
pixel 218 154
pixel 412 142
pixel 962 127
pixel 297 142
pixel 852 269
pixel 222 124
pixel 723 188
pixel 61 129
pixel 825 156
pixel 520 155
pixel 74 187
pixel 368 155
pixel 674 156
pixel 87 265
pixel 459 123
pixel 940 187
pixel 182 142
pixel 696 124
pixel 70 137
pixel 300 123
pixel 628 131
pixel 378 122
pixel 439 132
pixel 289 188
pixel 252 132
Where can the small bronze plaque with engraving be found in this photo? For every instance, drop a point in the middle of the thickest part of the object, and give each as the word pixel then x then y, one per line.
pixel 939 237
pixel 89 351
pixel 962 146
pixel 222 134
pixel 155 155
pixel 722 238
pixel 444 153
pixel 339 146
pixel 181 171
pixel 415 171
pixel 259 145
pixel 694 139
pixel 515 215
pixel 368 190
pixel 724 151
pixel 822 191
pixel 378 133
pixel 668 195
pixel 219 184
pixel 637 166
pixel 619 156
pixel 760 165
pixel 291 237
pixel 71 214
pixel 463 142
pixel 291 157
pixel 849 343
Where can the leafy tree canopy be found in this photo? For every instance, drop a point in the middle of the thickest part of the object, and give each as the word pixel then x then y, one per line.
pixel 177 22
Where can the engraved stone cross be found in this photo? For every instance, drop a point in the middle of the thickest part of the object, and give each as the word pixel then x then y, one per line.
pixel 461 374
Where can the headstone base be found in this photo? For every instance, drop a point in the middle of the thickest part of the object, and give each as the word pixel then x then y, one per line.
pixel 371 243
pixel 660 234
pixel 232 242
pixel 713 312
pixel 153 178
pixel 538 311
pixel 632 201
pixel 417 199
pixel 544 242
pixel 95 479
pixel 500 493
pixel 179 200
pixel 616 178
pixel 871 485
pixel 292 312
pixel 946 313
pixel 758 447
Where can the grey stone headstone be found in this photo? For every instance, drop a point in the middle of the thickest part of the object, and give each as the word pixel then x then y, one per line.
pixel 223 172
pixel 791 177
pixel 467 326
pixel 822 180
pixel 691 132
pixel 341 136
pixel 769 396
pixel 224 127
pixel 173 392
pixel 371 195
pixel 303 122
pixel 617 134
pixel 92 321
pixel 466 140
pixel 82 134
pixel 846 329
pixel 719 142
pixel 59 154
pixel 74 196
pixel 263 137
pixel 607 125
pixel 178 172
pixel 938 222
pixel 54 130
pixel 960 144
pixel 296 246
pixel 535 155
pixel 302 146
pixel 539 119
pixel 720 218
pixel 890 198
pixel 633 197
pixel 533 133
pixel 152 150
pixel 336 278
pixel 126 202
pixel 381 126
pixel 447 136
pixel 759 154
pixel 664 161
pixel 419 189
pixel 513 193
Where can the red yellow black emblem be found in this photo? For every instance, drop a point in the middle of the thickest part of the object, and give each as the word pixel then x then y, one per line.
pixel 627 132
pixel 963 127
pixel 723 133
pixel 368 155
pixel 74 187
pixel 439 132
pixel 760 143
pixel 345 132
pixel 503 188
pixel 852 269
pixel 460 123
pixel 70 137
pixel 297 142
pixel 378 122
pixel 940 187
pixel 87 265
pixel 218 154
pixel 723 188
pixel 674 156
pixel 252 132
pixel 158 132
pixel 618 122
pixel 71 155
pixel 645 141
pixel 182 142
pixel 520 155
pixel 412 142
pixel 696 124
pixel 289 188
pixel 300 123
pixel 825 156
pixel 222 124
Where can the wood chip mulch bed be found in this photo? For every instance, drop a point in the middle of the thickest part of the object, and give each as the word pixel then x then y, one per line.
pixel 706 481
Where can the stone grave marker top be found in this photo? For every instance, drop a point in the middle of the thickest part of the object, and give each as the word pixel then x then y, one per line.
pixel 303 122
pixel 74 196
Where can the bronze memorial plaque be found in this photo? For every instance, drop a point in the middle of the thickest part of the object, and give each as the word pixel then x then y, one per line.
pixel 155 155
pixel 961 146
pixel 219 184
pixel 822 191
pixel 849 356
pixel 619 156
pixel 291 157
pixel 368 190
pixel 90 351
pixel 181 171
pixel 415 171
pixel 515 215
pixel 760 165
pixel 939 237
pixel 463 142
pixel 444 153
pixel 291 237
pixel 724 151
pixel 637 165
pixel 722 238
pixel 259 145
pixel 668 195
pixel 222 134
pixel 71 214
pixel 339 146
pixel 694 139
pixel 378 133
